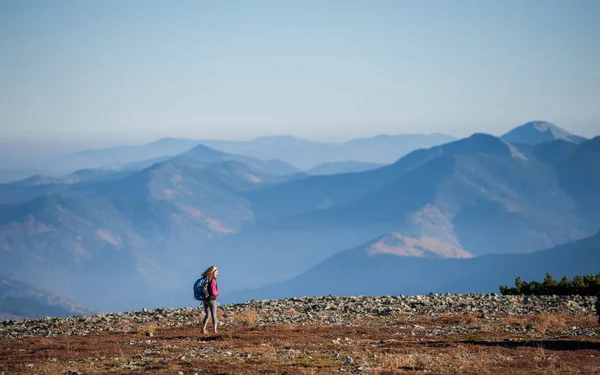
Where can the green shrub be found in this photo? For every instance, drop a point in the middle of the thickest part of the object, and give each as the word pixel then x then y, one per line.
pixel 584 286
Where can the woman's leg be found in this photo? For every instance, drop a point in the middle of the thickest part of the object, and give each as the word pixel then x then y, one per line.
pixel 213 310
pixel 207 308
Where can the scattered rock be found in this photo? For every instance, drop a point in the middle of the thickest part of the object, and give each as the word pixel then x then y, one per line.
pixel 308 310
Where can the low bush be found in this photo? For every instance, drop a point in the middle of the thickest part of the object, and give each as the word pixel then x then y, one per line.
pixel 588 285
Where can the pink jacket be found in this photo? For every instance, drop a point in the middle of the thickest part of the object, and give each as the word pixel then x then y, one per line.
pixel 212 288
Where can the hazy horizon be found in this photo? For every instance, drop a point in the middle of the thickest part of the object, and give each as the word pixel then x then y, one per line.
pixel 16 148
pixel 101 74
pixel 23 148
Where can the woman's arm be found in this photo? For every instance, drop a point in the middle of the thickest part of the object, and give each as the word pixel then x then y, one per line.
pixel 213 288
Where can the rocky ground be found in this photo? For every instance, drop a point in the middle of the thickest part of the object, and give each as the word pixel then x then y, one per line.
pixel 446 334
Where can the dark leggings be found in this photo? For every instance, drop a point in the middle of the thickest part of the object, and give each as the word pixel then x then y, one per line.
pixel 210 306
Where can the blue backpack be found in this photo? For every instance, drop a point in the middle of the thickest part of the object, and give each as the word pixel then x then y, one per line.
pixel 201 289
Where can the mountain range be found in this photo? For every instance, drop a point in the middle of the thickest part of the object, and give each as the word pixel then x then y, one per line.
pixel 133 230
pixel 20 300
pixel 154 227
pixel 536 132
pixel 381 149
pixel 293 154
pixel 362 272
pixel 480 194
pixel 302 154
pixel 338 167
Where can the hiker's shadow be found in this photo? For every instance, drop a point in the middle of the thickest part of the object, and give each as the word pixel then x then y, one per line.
pixel 546 344
pixel 209 338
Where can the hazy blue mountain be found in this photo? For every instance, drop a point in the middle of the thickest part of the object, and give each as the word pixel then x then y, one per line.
pixel 88 248
pixel 321 192
pixel 205 154
pixel 554 152
pixel 280 154
pixel 385 149
pixel 39 179
pixel 154 229
pixel 119 157
pixel 197 153
pixel 358 272
pixel 11 174
pixel 481 193
pixel 19 300
pixel 304 154
pixel 482 180
pixel 296 151
pixel 145 230
pixel 381 149
pixel 108 157
pixel 198 174
pixel 579 176
pixel 72 178
pixel 12 169
pixel 141 164
pixel 339 167
pixel 40 185
pixel 414 246
pixel 91 175
pixel 536 132
pixel 15 193
pixel 201 182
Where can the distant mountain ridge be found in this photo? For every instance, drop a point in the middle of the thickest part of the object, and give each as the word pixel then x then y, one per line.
pixel 300 153
pixel 536 132
pixel 153 228
pixel 357 272
pixel 39 185
pixel 208 155
pixel 481 192
pixel 338 167
pixel 473 164
pixel 148 223
pixel 381 149
pixel 19 300
pixel 424 247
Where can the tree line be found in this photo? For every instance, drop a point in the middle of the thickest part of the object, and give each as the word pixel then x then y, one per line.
pixel 588 285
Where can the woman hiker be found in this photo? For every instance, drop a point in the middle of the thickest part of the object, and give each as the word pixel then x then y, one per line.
pixel 210 303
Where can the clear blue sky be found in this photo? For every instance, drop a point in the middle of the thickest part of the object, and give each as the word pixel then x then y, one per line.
pixel 128 71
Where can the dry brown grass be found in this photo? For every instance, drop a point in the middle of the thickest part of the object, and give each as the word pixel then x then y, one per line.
pixel 246 318
pixel 148 329
pixel 516 320
pixel 548 322
pixel 380 347
pixel 403 318
pixel 461 360
pixel 542 323
pixel 53 368
pixel 465 359
pixel 456 319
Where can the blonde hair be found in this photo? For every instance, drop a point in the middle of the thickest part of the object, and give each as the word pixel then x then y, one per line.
pixel 209 274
